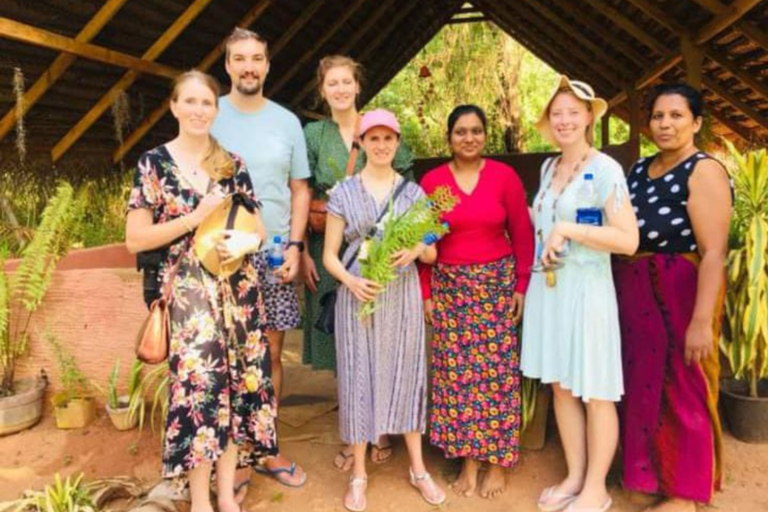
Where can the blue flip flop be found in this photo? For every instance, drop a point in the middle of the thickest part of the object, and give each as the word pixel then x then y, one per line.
pixel 279 474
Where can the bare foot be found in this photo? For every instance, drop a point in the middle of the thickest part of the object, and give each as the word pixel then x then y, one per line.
pixel 494 482
pixel 203 507
pixel 673 505
pixel 228 505
pixel 466 484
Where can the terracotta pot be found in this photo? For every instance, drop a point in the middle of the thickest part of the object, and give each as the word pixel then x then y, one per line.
pixel 747 417
pixel 23 409
pixel 76 413
pixel 535 434
pixel 121 417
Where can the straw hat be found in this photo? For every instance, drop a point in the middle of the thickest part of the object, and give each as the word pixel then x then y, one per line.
pixel 581 90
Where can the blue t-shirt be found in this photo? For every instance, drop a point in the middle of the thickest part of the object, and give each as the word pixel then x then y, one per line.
pixel 271 142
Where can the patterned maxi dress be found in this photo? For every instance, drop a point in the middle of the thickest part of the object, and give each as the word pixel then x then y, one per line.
pixel 209 400
pixel 381 365
pixel 328 154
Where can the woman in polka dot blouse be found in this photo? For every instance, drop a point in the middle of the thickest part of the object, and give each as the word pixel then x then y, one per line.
pixel 670 295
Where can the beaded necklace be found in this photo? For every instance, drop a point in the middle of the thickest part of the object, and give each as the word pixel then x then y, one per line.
pixel 574 172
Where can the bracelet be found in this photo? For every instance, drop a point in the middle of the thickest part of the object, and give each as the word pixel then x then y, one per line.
pixel 186 224
pixel 429 239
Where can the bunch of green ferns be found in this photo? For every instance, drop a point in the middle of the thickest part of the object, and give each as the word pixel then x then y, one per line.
pixel 404 232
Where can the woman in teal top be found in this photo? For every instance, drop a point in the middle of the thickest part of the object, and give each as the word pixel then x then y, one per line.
pixel 329 143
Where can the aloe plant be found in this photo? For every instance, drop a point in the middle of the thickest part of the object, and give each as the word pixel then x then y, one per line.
pixel 63 495
pixel 745 334
pixel 134 391
pixel 22 292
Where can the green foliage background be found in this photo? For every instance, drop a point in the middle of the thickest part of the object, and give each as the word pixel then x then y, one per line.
pixel 475 63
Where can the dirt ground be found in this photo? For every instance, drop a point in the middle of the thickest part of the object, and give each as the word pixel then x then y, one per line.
pixel 28 460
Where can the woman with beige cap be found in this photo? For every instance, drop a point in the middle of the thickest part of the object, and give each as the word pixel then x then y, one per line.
pixel 570 327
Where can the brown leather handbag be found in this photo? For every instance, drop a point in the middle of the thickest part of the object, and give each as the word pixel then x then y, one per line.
pixel 317 211
pixel 154 336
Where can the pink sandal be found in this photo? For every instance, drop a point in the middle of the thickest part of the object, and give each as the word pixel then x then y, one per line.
pixel 354 499
pixel 429 490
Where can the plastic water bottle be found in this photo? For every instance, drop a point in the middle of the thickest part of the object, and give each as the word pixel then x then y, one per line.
pixel 588 210
pixel 275 260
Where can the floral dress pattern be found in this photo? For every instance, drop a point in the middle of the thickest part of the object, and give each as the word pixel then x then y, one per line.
pixel 476 402
pixel 220 378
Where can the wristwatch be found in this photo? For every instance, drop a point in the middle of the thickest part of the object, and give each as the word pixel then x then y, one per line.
pixel 297 243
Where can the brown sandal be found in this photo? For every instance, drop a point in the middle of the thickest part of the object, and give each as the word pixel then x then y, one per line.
pixel 381 454
pixel 343 461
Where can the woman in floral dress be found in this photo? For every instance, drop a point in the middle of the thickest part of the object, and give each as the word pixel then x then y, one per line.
pixel 222 403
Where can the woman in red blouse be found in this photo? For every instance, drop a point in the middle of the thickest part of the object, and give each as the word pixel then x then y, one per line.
pixel 474 299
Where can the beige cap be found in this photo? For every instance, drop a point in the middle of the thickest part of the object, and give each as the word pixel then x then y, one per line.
pixel 581 90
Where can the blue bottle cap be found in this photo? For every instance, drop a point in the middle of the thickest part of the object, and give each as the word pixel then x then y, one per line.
pixel 589 176
pixel 277 239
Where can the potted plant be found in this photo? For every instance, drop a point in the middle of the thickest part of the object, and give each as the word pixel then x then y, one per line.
pixel 126 411
pixel 74 405
pixel 64 495
pixel 745 329
pixel 21 293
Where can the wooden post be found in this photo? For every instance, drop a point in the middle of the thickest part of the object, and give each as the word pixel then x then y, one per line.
pixel 693 56
pixel 605 130
pixel 634 123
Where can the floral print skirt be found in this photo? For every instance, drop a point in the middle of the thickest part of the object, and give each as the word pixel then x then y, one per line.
pixel 220 377
pixel 475 363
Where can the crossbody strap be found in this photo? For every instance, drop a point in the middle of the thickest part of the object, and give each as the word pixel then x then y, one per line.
pixel 378 219
pixel 355 150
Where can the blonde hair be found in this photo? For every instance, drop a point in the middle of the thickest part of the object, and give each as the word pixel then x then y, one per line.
pixel 590 131
pixel 217 163
pixel 243 34
pixel 329 62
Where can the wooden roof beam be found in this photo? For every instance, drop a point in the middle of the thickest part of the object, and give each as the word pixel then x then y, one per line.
pixel 736 128
pixel 553 59
pixel 566 28
pixel 714 86
pixel 729 16
pixel 154 51
pixel 659 69
pixel 724 62
pixel 306 14
pixel 208 61
pixel 599 29
pixel 473 19
pixel 302 61
pixel 726 17
pixel 628 26
pixel 750 30
pixel 402 57
pixel 28 34
pixel 571 47
pixel 576 68
pixel 60 65
pixel 361 32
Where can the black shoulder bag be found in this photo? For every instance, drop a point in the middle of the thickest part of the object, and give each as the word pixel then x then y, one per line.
pixel 325 320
